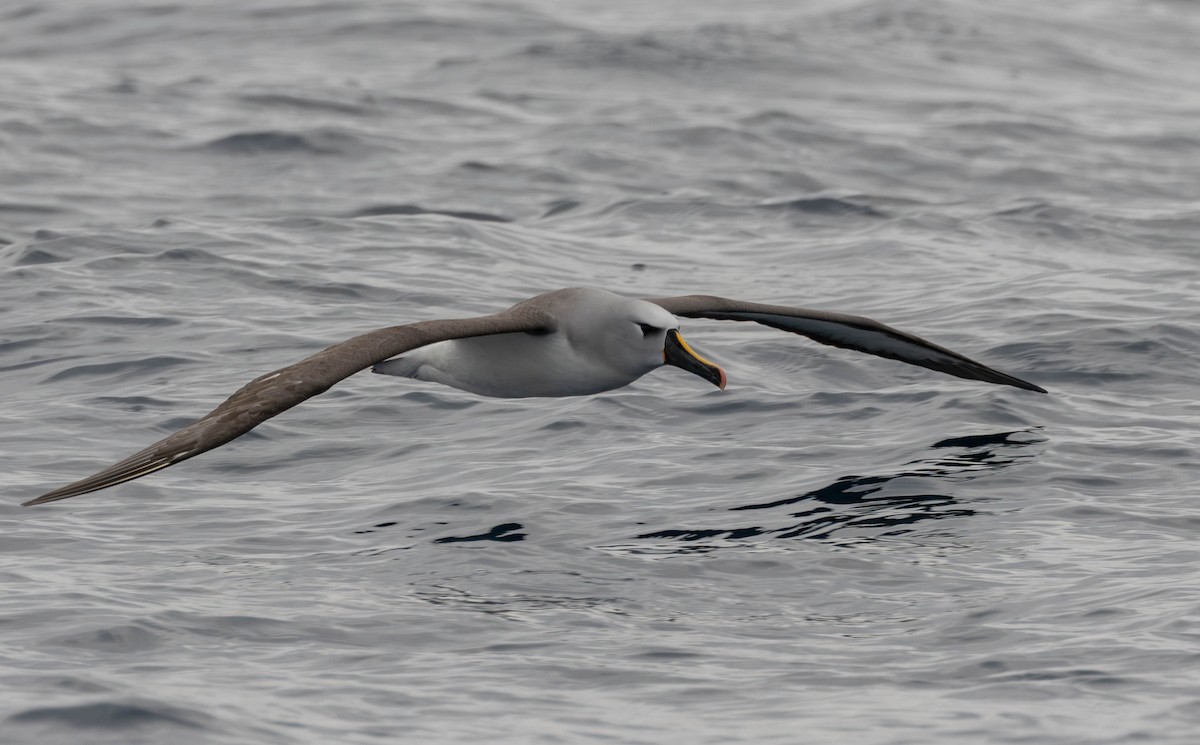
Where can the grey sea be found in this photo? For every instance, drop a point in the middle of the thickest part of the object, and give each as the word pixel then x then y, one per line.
pixel 836 549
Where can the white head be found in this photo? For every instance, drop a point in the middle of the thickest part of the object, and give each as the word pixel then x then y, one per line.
pixel 630 337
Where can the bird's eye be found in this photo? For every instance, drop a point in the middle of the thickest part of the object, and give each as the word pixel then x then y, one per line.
pixel 648 330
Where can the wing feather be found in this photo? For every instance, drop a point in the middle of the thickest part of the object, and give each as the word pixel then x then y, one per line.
pixel 274 393
pixel 842 330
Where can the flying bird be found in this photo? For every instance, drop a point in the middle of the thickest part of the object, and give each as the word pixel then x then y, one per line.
pixel 570 342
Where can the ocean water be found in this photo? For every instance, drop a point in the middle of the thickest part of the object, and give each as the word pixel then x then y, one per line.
pixel 837 548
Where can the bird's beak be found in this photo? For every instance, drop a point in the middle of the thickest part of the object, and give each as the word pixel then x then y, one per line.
pixel 678 353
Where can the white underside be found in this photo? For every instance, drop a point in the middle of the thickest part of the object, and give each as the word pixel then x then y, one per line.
pixel 510 366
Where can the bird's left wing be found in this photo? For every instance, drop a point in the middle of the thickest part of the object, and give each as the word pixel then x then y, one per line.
pixel 276 392
pixel 842 330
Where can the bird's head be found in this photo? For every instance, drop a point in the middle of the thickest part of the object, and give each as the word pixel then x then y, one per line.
pixel 647 337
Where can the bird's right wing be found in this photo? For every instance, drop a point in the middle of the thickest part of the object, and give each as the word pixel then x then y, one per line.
pixel 274 393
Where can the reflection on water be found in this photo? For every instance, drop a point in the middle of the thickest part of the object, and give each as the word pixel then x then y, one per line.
pixel 501 533
pixel 890 503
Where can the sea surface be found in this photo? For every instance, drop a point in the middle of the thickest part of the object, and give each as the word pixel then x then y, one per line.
pixel 836 549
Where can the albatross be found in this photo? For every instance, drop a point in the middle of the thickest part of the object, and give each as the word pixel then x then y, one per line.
pixel 571 342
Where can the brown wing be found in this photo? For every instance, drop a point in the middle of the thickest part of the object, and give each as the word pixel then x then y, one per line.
pixel 841 330
pixel 278 391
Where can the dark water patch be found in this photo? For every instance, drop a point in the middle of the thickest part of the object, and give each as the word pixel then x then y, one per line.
pixel 1172 145
pixel 123 639
pixel 887 513
pixel 33 254
pixel 31 209
pixel 8 347
pixel 377 526
pixel 491 22
pixel 89 20
pixel 278 142
pixel 911 25
pixel 560 206
pixel 124 321
pixel 1087 676
pixel 423 399
pixel 711 403
pixel 705 534
pixel 43 361
pixel 342 290
pixel 306 103
pixel 694 211
pixel 509 176
pixel 678 53
pixel 1065 221
pixel 1013 129
pixel 869 502
pixel 883 517
pixel 75 685
pixel 1018 437
pixel 780 118
pixel 846 505
pixel 132 403
pixel 196 255
pixel 829 206
pixel 125 86
pixel 49 246
pixel 413 209
pixel 560 425
pixel 479 166
pixel 112 716
pixel 139 368
pixel 24 11
pixel 667 655
pixel 501 533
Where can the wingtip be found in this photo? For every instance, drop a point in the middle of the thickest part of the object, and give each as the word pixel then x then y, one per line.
pixel 133 467
pixel 39 500
pixel 1016 382
pixel 53 496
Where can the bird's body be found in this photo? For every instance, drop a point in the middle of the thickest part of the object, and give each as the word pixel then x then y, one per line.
pixel 528 365
pixel 570 342
pixel 598 344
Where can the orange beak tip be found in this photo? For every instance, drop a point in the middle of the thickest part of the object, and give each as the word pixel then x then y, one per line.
pixel 721 385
